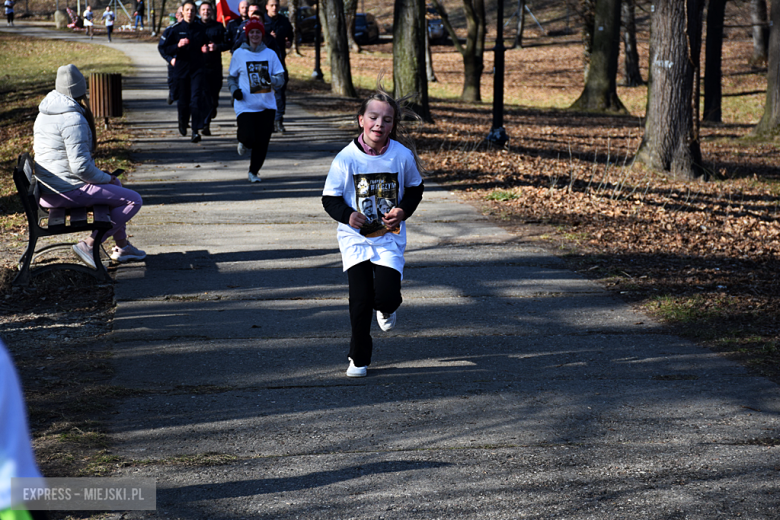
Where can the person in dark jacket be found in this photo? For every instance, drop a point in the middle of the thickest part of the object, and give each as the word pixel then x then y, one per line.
pixel 140 12
pixel 218 44
pixel 233 25
pixel 239 37
pixel 280 28
pixel 173 90
pixel 188 43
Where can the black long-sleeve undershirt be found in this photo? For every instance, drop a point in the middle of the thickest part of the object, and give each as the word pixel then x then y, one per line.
pixel 340 211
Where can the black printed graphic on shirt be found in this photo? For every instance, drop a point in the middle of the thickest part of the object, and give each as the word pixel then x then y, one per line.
pixel 259 77
pixel 376 194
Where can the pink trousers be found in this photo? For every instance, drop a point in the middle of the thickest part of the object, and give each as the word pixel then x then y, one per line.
pixel 124 204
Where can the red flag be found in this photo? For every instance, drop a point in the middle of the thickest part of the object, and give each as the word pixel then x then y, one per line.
pixel 224 14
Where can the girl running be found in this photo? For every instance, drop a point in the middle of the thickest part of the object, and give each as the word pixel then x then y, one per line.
pixel 374 167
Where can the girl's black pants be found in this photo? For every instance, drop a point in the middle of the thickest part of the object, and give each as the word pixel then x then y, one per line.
pixel 371 288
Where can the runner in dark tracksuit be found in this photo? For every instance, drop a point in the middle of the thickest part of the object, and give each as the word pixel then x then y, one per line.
pixel 233 23
pixel 279 28
pixel 231 31
pixel 218 43
pixel 173 93
pixel 186 43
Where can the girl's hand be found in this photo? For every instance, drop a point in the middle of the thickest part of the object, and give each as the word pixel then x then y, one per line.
pixel 115 181
pixel 393 218
pixel 357 219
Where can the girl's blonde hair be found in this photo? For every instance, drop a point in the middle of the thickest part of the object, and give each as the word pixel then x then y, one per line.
pixel 401 113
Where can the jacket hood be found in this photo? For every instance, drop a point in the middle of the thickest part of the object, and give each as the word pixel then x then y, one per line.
pixel 260 47
pixel 55 103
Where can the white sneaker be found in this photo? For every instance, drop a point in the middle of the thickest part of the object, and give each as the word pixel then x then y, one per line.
pixel 242 150
pixel 127 253
pixel 354 371
pixel 253 178
pixel 386 321
pixel 85 253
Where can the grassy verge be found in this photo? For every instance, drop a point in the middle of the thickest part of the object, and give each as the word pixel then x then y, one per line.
pixel 56 328
pixel 34 63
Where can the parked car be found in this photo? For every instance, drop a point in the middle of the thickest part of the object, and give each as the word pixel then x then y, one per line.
pixel 436 31
pixel 366 29
pixel 307 21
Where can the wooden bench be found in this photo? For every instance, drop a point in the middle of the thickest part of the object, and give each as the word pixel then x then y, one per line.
pixel 59 221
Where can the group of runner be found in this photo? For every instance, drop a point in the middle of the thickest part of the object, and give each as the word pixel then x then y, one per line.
pixel 193 48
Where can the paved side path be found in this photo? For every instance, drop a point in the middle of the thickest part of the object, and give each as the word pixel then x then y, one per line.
pixel 511 388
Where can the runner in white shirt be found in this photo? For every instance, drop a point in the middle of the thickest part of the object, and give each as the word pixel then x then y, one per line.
pixel 375 171
pixel 89 22
pixel 16 455
pixel 108 19
pixel 255 70
pixel 9 12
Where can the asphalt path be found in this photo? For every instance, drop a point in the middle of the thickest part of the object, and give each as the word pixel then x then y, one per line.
pixel 511 387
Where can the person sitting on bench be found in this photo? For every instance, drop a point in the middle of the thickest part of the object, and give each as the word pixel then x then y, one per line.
pixel 64 139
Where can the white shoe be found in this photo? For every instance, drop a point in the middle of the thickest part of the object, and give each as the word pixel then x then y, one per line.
pixel 127 253
pixel 354 371
pixel 242 150
pixel 386 321
pixel 85 253
pixel 253 178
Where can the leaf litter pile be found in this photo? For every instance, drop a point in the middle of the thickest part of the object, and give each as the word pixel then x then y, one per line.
pixel 702 256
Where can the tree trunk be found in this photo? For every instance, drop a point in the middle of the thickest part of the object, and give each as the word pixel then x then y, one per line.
pixel 474 52
pixel 769 126
pixel 160 21
pixel 631 72
pixel 429 73
pixel 600 92
pixel 671 142
pixel 445 19
pixel 340 73
pixel 409 27
pixel 588 12
pixel 760 32
pixel 322 17
pixel 293 17
pixel 716 11
pixel 350 9
pixel 518 43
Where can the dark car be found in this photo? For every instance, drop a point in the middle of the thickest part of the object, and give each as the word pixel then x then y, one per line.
pixel 307 21
pixel 366 29
pixel 436 32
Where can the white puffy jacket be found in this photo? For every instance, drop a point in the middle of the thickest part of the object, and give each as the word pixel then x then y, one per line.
pixel 63 146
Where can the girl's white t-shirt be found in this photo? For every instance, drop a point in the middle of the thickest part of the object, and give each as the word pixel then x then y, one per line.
pixel 16 454
pixel 380 180
pixel 254 71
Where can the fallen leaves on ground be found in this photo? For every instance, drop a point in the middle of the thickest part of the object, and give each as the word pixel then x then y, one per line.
pixel 703 256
